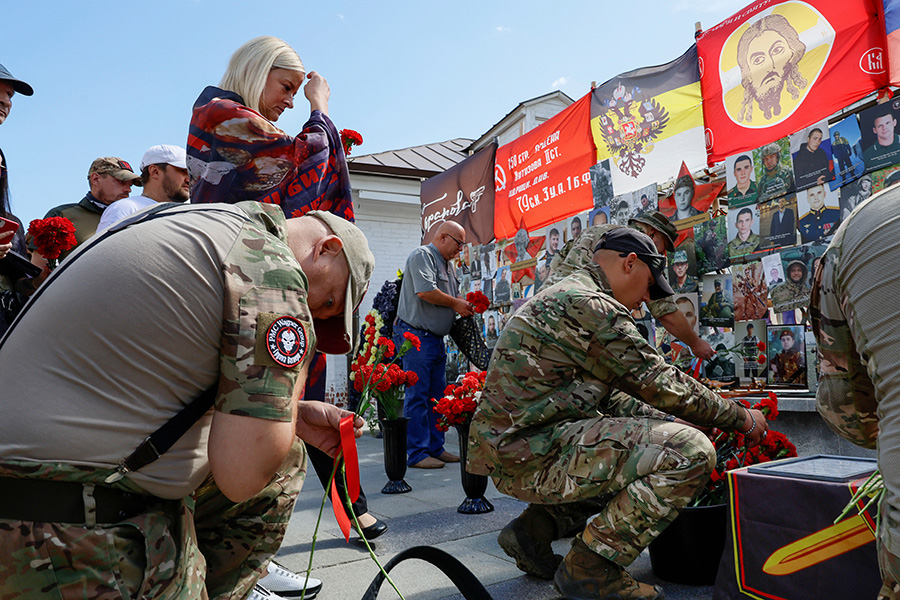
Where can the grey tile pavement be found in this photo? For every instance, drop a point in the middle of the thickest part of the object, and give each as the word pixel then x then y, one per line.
pixel 426 516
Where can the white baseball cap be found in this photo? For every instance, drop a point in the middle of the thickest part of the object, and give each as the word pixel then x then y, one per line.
pixel 163 154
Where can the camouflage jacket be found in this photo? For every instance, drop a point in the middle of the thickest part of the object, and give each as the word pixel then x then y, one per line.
pixel 577 254
pixel 737 248
pixel 789 295
pixel 777 184
pixel 559 359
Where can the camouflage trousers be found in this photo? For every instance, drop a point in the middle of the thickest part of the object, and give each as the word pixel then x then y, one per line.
pixel 203 546
pixel 650 468
pixel 888 562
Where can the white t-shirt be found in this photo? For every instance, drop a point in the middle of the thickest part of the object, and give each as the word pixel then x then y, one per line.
pixel 120 209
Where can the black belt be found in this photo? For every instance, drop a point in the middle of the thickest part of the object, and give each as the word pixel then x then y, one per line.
pixel 63 502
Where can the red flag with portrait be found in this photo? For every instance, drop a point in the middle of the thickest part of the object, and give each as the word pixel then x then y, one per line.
pixel 542 176
pixel 776 67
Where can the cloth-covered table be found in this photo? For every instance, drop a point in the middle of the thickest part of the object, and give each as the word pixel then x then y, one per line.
pixel 782 543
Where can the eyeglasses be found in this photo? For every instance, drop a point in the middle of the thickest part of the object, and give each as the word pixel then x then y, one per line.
pixel 461 244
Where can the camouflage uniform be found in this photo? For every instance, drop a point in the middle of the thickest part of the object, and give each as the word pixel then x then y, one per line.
pixel 558 421
pixel 852 308
pixel 577 254
pixel 789 295
pixel 690 285
pixel 737 248
pixel 776 184
pixel 201 545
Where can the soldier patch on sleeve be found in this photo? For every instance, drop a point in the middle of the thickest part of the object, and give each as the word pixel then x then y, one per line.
pixel 286 341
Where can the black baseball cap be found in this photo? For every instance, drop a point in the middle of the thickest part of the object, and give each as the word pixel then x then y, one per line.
pixel 626 240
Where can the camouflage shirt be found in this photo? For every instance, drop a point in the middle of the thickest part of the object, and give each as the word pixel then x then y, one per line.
pixel 577 254
pixel 737 247
pixel 776 184
pixel 559 359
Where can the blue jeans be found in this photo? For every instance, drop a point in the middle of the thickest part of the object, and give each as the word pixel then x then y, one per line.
pixel 429 363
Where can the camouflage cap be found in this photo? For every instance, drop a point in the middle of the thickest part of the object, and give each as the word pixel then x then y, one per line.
pixel 336 335
pixel 627 240
pixel 19 86
pixel 660 222
pixel 772 148
pixel 680 257
pixel 115 167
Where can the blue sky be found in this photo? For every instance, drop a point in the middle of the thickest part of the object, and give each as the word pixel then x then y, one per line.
pixel 113 78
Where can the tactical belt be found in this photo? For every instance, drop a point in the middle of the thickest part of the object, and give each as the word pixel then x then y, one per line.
pixel 64 502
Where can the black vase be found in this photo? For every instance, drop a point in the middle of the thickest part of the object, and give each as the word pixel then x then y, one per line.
pixel 689 550
pixel 394 438
pixel 473 485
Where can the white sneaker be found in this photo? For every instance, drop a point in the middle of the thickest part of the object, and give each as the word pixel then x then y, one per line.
pixel 261 593
pixel 287 584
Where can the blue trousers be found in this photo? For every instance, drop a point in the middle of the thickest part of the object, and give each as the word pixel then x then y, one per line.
pixel 429 363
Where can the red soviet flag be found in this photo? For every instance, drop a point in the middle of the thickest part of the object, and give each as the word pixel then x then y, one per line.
pixel 542 177
pixel 776 67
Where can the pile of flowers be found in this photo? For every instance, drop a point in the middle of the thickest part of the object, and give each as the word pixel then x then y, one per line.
pixel 480 301
pixel 732 452
pixel 459 401
pixel 375 373
pixel 350 138
pixel 52 236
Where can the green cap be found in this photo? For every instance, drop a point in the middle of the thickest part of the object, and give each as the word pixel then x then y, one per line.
pixel 660 222
pixel 336 335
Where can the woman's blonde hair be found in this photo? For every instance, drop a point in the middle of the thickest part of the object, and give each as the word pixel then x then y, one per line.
pixel 250 65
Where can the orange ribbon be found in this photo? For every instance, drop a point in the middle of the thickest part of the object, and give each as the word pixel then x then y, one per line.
pixel 351 466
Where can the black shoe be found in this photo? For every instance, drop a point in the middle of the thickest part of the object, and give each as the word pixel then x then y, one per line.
pixel 374 530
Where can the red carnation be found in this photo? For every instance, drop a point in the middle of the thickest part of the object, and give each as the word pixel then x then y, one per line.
pixel 761 346
pixel 52 236
pixel 413 339
pixel 350 138
pixel 761 359
pixel 411 378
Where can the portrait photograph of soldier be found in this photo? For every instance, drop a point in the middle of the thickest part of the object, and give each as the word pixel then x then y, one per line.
pixel 689 203
pixel 488 261
pixel 620 211
pixel 644 200
pixel 740 180
pixel 688 305
pixel 575 225
pixel 710 239
pixel 743 231
pixel 811 155
pixel 855 193
pixel 487 288
pixel 474 260
pixel 716 301
pixel 751 292
pixel 491 329
pixel 598 216
pixel 778 222
pixel 682 272
pixel 721 366
pixel 601 184
pixel 819 212
pixel 774 171
pixel 552 246
pixel 748 335
pixel 880 136
pixel 773 270
pixel 786 348
pixel 774 85
pixel 794 292
pixel 846 151
pixel 503 285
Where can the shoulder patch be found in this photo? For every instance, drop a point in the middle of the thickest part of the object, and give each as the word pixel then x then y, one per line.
pixel 287 341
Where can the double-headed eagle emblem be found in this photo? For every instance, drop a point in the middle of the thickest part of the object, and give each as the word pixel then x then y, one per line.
pixel 629 122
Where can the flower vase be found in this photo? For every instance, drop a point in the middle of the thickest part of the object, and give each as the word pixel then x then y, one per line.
pixel 394 438
pixel 473 485
pixel 688 551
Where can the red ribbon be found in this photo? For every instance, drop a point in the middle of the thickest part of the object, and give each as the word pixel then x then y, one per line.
pixel 351 465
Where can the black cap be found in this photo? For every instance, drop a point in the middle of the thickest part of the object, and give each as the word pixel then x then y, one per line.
pixel 627 240
pixel 18 85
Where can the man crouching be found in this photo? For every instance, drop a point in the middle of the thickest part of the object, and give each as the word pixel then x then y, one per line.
pixel 578 417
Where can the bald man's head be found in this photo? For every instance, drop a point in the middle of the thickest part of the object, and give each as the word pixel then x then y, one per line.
pixel 450 239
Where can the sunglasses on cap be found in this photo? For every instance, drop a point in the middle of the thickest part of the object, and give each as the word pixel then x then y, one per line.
pixel 654 261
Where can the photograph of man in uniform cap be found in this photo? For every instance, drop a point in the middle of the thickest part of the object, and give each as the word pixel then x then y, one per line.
pixel 679 273
pixel 880 138
pixel 818 207
pixel 774 173
pixel 557 390
pixel 787 354
pixel 741 180
pixel 811 150
pixel 743 229
pixel 717 301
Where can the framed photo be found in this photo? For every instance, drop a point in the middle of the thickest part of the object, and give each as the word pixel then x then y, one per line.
pixel 644 200
pixel 750 292
pixel 787 354
pixel 721 366
pixel 774 171
pixel 855 193
pixel 598 216
pixel 879 135
pixel 709 245
pixel 682 269
pixel 884 178
pixel 601 184
pixel 749 335
pixel 491 327
pixel 819 212
pixel 743 231
pixel 575 225
pixel 488 262
pixel 717 301
pixel 811 155
pixel 778 222
pixel 773 270
pixel 620 211
pixel 846 150
pixel 688 304
pixel 503 286
pixel 740 178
